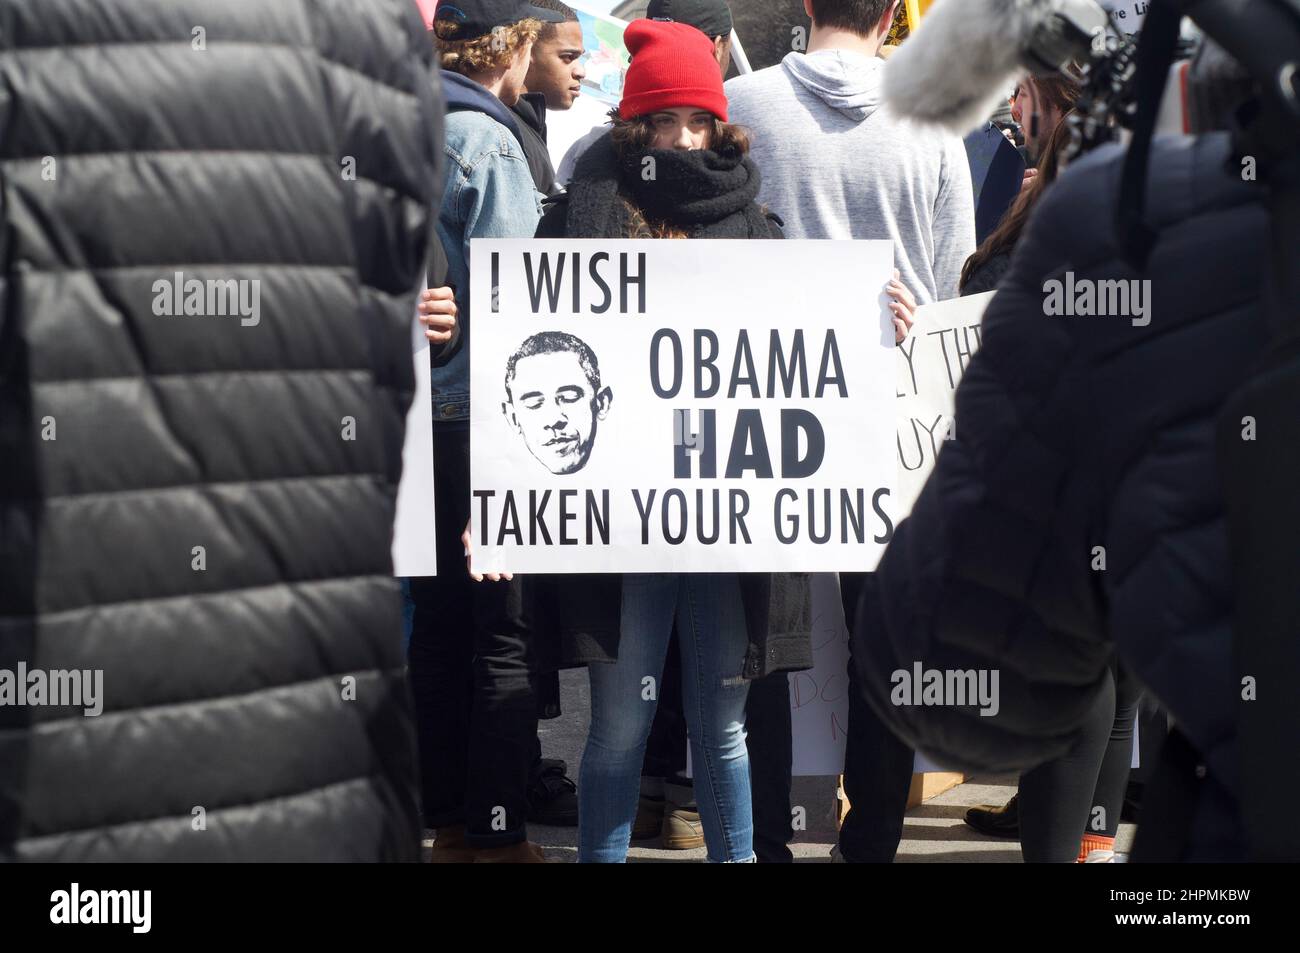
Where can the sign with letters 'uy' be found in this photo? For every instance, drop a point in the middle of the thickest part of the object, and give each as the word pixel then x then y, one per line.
pixel 681 406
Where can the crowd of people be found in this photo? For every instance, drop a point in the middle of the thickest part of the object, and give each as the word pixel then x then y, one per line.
pixel 197 530
pixel 802 150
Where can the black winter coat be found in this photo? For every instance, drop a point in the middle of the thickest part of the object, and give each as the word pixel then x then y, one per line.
pixel 778 607
pixel 1082 432
pixel 201 506
pixel 530 116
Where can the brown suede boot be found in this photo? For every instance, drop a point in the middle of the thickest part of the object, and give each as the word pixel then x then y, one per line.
pixel 524 852
pixel 449 846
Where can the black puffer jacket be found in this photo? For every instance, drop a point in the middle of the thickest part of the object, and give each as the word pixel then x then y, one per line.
pixel 1083 432
pixel 201 506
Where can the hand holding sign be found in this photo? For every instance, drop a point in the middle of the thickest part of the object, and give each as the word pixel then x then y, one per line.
pixel 467 538
pixel 437 312
pixel 930 366
pixel 902 305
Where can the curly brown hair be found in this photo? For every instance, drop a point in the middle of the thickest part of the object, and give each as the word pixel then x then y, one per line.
pixel 639 133
pixel 494 51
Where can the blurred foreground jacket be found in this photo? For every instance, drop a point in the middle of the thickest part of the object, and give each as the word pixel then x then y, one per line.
pixel 1080 508
pixel 200 505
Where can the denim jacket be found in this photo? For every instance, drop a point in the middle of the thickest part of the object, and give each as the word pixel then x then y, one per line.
pixel 489 194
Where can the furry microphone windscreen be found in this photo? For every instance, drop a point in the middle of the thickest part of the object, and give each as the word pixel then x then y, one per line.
pixel 962 61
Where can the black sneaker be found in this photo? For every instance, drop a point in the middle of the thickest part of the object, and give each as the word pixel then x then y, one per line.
pixel 996 821
pixel 552 797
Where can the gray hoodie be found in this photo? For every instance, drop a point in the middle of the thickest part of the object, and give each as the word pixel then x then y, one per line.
pixel 836 164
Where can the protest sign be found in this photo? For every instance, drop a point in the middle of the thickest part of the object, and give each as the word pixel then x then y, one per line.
pixel 681 406
pixel 819 697
pixel 605 58
pixel 930 366
pixel 932 360
pixel 414 552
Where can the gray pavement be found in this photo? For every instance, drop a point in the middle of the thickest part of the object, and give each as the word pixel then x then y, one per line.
pixel 933 831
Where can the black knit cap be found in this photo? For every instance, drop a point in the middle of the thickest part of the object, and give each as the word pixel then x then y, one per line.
pixel 710 17
pixel 475 18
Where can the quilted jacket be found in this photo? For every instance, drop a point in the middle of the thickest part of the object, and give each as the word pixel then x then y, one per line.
pixel 1080 510
pixel 215 221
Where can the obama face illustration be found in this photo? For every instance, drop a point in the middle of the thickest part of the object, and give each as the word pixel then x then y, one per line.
pixel 555 401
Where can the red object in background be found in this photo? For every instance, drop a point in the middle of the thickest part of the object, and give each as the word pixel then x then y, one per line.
pixel 426 10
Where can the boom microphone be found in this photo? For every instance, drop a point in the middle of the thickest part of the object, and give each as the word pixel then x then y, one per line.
pixel 962 60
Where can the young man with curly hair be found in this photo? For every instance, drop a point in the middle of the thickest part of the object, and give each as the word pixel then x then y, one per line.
pixel 470 645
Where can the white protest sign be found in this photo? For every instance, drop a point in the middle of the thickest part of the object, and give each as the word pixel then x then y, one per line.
pixel 681 406
pixel 414 549
pixel 819 697
pixel 931 362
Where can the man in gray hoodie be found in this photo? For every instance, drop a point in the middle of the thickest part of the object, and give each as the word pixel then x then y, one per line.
pixel 837 164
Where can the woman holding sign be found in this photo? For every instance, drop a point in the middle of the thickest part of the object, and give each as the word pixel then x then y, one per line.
pixel 671 167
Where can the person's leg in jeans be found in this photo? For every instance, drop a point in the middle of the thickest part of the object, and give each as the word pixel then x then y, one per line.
pixel 1112 779
pixel 1056 797
pixel 503 722
pixel 711 626
pixel 624 695
pixel 877 767
pixel 771 754
pixel 441 649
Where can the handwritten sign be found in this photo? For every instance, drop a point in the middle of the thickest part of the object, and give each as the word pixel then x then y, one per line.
pixel 930 364
pixel 932 359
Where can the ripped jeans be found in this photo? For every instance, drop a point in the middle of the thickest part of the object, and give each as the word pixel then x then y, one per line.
pixel 624 695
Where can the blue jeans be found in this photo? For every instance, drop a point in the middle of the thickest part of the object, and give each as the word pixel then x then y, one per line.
pixel 624 695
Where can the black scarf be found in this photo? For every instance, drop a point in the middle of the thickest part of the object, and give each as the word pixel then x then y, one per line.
pixel 705 194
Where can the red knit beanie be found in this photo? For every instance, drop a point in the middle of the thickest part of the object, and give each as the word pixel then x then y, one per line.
pixel 672 66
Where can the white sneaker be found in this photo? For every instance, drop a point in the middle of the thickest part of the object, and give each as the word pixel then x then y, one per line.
pixel 1100 857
